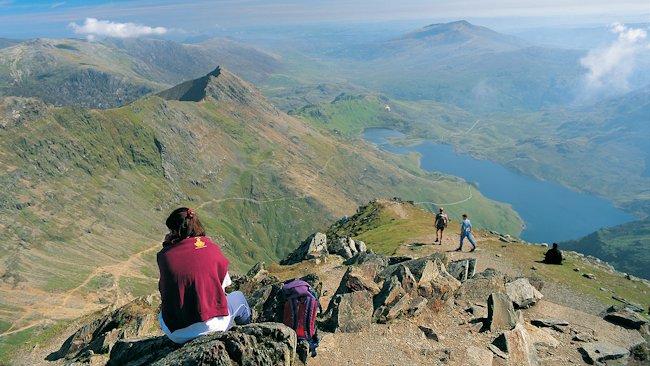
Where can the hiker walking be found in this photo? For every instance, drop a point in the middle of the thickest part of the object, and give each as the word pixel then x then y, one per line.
pixel 441 223
pixel 193 276
pixel 466 232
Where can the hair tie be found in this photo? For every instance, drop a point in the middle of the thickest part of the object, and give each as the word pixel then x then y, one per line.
pixel 190 214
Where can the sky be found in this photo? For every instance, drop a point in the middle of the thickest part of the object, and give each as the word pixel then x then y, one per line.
pixel 175 19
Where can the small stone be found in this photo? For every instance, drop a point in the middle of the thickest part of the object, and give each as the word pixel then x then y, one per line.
pixel 429 333
pixel 534 268
pixel 548 322
pixel 499 255
pixel 589 276
pixel 576 269
pixel 603 289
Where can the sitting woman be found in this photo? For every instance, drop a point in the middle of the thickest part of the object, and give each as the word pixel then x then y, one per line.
pixel 193 277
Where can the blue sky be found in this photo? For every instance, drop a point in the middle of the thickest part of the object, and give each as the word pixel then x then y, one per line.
pixel 26 19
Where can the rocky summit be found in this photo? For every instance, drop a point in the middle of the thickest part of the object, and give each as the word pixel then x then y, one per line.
pixel 422 304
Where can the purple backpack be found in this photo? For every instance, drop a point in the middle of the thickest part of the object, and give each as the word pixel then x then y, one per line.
pixel 300 311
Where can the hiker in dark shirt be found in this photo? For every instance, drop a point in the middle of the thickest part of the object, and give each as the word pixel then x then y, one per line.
pixel 553 255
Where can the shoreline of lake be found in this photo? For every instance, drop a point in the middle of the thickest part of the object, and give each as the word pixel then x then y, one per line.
pixel 551 212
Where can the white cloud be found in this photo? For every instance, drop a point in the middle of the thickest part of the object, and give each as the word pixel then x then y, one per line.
pixel 93 27
pixel 609 68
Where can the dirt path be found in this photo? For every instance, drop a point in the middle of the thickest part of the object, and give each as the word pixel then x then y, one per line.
pixel 51 305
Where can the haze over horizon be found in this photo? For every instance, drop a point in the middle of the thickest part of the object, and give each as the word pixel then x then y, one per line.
pixel 179 19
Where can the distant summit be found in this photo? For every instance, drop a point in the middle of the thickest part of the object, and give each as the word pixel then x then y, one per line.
pixel 462 33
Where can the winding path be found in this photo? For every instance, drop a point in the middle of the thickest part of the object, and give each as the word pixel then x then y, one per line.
pixel 469 197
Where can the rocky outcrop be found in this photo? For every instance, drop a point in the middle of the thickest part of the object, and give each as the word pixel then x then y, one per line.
pixel 252 344
pixel 97 337
pixel 317 246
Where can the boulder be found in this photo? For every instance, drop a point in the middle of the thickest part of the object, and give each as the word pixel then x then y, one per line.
pixel 598 352
pixel 315 246
pixel 519 347
pixel 369 258
pixel 406 279
pixel 501 313
pixel 252 344
pixel 351 312
pixel 479 287
pixel 640 354
pixel 344 247
pixel 359 278
pixel 626 318
pixel 522 293
pixel 462 269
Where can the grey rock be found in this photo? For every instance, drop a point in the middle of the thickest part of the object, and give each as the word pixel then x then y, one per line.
pixel 589 276
pixel 522 293
pixel 462 269
pixel 391 291
pixel 519 346
pixel 349 313
pixel 604 351
pixel 548 322
pixel 359 278
pixel 252 344
pixel 626 318
pixel 479 287
pixel 501 313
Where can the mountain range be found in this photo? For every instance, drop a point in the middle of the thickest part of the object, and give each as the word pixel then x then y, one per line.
pixel 87 191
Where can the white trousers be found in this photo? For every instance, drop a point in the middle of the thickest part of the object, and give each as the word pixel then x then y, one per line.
pixel 238 312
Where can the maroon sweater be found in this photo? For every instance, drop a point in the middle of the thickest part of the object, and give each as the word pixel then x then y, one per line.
pixel 191 273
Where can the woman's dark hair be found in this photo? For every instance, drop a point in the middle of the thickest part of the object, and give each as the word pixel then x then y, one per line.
pixel 185 223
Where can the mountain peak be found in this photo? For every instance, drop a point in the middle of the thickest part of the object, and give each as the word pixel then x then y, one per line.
pixel 192 90
pixel 220 85
pixel 464 33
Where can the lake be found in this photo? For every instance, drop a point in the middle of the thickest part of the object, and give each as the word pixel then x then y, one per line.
pixel 552 213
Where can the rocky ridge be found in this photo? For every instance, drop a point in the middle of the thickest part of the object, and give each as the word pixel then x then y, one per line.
pixel 437 309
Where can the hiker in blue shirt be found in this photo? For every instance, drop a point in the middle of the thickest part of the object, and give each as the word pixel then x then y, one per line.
pixel 466 232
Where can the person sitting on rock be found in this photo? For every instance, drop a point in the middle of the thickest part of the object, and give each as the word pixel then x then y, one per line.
pixel 193 277
pixel 553 255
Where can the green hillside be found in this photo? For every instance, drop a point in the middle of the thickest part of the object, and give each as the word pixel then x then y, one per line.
pixel 87 191
pixel 623 246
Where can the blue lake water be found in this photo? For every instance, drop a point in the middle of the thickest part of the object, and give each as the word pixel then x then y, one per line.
pixel 551 212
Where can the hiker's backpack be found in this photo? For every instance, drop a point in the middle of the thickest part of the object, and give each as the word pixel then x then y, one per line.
pixel 442 220
pixel 300 311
